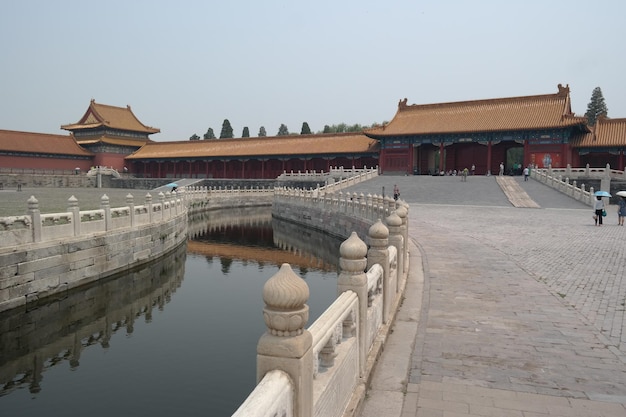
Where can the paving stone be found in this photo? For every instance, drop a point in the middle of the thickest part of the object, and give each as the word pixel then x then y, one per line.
pixel 522 307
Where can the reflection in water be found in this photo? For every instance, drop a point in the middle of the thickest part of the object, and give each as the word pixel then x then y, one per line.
pixel 173 361
pixel 252 234
pixel 35 338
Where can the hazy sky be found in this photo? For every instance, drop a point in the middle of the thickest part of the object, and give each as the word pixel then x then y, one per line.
pixel 184 66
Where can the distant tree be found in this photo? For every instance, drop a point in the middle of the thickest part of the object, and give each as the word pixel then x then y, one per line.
pixel 596 107
pixel 343 128
pixel 282 130
pixel 194 137
pixel 305 129
pixel 246 132
pixel 227 130
pixel 209 134
pixel 262 132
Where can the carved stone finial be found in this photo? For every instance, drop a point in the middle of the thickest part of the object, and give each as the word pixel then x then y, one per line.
pixel 378 231
pixel 285 295
pixel 353 253
pixel 72 202
pixel 393 220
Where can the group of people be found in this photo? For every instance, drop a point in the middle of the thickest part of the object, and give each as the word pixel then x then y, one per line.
pixel 600 211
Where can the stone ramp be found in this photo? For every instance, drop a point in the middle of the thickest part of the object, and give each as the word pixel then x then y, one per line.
pixel 182 182
pixel 516 195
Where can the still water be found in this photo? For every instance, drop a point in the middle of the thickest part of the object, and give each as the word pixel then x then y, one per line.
pixel 177 337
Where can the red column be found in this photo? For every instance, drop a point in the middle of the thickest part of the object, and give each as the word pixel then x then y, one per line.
pixel 411 158
pixel 489 156
pixel 441 157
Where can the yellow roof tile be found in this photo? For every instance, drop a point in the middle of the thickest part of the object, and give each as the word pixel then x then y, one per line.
pixel 121 118
pixel 605 133
pixel 327 144
pixel 515 113
pixel 40 143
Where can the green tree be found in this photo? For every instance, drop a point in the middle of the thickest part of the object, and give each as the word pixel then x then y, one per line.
pixel 596 107
pixel 262 132
pixel 227 130
pixel 246 132
pixel 194 137
pixel 327 129
pixel 305 129
pixel 209 134
pixel 282 130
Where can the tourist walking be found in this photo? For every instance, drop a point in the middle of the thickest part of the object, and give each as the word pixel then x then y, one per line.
pixel 501 168
pixel 526 173
pixel 396 192
pixel 599 208
pixel 621 210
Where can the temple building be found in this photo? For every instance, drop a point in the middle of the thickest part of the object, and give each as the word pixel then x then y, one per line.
pixel 517 131
pixel 110 133
pixel 539 130
pixel 605 143
pixel 262 157
pixel 42 151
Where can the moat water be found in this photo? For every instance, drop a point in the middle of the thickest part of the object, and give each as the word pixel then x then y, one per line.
pixel 175 338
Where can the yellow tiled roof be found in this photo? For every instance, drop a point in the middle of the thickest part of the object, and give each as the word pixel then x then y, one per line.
pixel 121 118
pixel 40 143
pixel 132 142
pixel 605 133
pixel 326 144
pixel 503 114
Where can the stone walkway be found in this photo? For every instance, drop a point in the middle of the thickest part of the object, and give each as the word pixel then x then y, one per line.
pixel 516 311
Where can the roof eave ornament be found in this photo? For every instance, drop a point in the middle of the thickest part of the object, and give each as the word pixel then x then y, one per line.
pixel 402 104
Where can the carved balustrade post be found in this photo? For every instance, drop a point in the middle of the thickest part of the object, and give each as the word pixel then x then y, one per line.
pixel 403 212
pixel 162 203
pixel 72 207
pixel 378 253
pixel 394 223
pixel 149 207
pixel 130 201
pixel 352 263
pixel 35 218
pixel 106 206
pixel 287 345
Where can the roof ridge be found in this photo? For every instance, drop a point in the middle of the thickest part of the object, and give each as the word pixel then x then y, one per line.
pixel 490 101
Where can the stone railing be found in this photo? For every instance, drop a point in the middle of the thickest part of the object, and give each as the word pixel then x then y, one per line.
pixel 336 213
pixel 332 172
pixel 586 172
pixel 36 227
pixel 325 367
pixel 559 179
pixel 207 198
pixel 45 254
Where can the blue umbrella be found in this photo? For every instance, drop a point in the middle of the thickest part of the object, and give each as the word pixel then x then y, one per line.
pixel 601 194
pixel 172 184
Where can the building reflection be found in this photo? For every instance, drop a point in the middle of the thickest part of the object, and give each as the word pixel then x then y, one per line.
pixel 42 335
pixel 251 234
pixel 37 337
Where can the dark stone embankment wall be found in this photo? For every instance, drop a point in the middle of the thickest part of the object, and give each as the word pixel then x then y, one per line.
pixel 334 223
pixel 39 270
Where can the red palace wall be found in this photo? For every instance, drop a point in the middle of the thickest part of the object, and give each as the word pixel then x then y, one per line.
pixel 114 160
pixel 19 162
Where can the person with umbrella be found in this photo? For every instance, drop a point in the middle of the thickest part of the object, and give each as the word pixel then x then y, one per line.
pixel 621 207
pixel 599 206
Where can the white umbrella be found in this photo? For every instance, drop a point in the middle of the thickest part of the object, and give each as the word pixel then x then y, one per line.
pixel 621 193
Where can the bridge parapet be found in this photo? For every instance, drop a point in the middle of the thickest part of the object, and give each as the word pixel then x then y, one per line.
pixel 330 362
pixel 559 179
